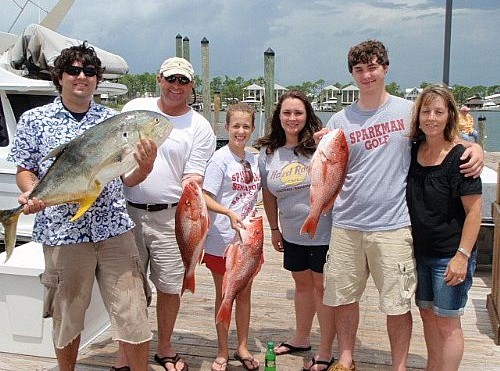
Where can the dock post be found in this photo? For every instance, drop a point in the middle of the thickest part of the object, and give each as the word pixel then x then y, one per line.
pixel 481 130
pixel 205 81
pixel 493 299
pixel 217 105
pixel 269 87
pixel 178 45
pixel 185 49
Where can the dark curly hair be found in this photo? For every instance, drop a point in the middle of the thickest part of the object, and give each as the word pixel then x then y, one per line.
pixel 277 138
pixel 364 53
pixel 83 53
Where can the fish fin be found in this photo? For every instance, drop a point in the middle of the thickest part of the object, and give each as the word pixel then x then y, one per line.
pixel 188 284
pixel 329 206
pixel 309 226
pixel 201 255
pixel 94 190
pixel 114 166
pixel 9 219
pixel 56 152
pixel 224 313
pixel 85 204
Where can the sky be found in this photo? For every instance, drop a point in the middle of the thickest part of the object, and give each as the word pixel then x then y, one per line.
pixel 310 38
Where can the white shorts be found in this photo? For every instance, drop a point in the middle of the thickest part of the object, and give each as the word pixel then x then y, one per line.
pixel 155 238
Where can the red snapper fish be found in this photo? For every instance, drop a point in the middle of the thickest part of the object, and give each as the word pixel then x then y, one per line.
pixel 191 227
pixel 328 171
pixel 244 259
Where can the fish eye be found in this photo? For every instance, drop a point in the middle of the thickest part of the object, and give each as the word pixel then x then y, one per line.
pixel 125 135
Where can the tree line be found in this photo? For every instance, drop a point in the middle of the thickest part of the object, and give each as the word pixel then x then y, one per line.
pixel 232 88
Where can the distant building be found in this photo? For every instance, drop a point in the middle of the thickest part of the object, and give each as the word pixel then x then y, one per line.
pixel 255 93
pixel 495 98
pixel 328 98
pixel 474 102
pixel 412 93
pixel 350 93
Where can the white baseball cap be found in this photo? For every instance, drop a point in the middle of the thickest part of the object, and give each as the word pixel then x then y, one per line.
pixel 177 66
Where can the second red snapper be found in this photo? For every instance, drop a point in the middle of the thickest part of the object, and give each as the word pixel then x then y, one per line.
pixel 243 261
pixel 191 227
pixel 328 171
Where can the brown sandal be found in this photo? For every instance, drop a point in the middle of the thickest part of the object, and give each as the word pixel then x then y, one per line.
pixel 246 362
pixel 172 360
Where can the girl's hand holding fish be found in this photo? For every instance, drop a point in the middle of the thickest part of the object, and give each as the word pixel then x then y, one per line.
pixel 236 221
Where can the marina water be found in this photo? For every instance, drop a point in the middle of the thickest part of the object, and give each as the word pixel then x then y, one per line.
pixel 492 141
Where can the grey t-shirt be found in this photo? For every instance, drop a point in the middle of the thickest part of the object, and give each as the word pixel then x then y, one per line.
pixel 286 176
pixel 373 195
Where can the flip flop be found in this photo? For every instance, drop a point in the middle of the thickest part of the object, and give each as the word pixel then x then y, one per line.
pixel 314 361
pixel 244 360
pixel 291 349
pixel 124 368
pixel 222 364
pixel 172 360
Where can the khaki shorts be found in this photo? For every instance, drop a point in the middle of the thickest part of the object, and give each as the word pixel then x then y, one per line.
pixel 387 255
pixel 155 238
pixel 68 278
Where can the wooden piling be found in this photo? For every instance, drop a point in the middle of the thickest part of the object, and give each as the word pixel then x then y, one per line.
pixel 481 130
pixel 269 87
pixel 205 80
pixel 178 45
pixel 493 299
pixel 185 49
pixel 217 106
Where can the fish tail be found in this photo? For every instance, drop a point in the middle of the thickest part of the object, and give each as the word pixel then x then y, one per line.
pixel 309 226
pixel 9 219
pixel 224 313
pixel 188 284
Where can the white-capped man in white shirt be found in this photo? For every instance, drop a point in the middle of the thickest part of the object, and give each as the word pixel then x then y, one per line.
pixel 152 203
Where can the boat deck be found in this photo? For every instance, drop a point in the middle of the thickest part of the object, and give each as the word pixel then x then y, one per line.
pixel 273 319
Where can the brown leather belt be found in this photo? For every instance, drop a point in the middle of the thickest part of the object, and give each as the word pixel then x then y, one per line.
pixel 152 207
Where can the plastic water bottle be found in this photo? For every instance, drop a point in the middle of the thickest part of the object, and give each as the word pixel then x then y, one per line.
pixel 270 359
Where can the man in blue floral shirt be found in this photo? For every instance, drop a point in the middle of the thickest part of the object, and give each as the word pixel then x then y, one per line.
pixel 100 244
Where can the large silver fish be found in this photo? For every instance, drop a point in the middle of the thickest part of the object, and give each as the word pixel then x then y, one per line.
pixel 83 166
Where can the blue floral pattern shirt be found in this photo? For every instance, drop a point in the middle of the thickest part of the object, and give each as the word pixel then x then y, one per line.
pixel 39 131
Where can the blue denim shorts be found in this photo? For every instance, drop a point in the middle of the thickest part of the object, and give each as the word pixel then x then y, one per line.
pixel 433 292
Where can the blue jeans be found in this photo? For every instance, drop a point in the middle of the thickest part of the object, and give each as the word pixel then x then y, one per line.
pixel 432 290
pixel 472 137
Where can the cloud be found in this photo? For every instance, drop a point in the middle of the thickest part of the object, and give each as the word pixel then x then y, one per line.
pixel 310 38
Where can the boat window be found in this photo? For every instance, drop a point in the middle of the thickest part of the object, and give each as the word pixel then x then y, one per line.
pixel 4 137
pixel 22 102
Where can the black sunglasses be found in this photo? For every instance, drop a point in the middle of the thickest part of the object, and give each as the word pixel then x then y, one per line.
pixel 183 80
pixel 88 71
pixel 248 173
